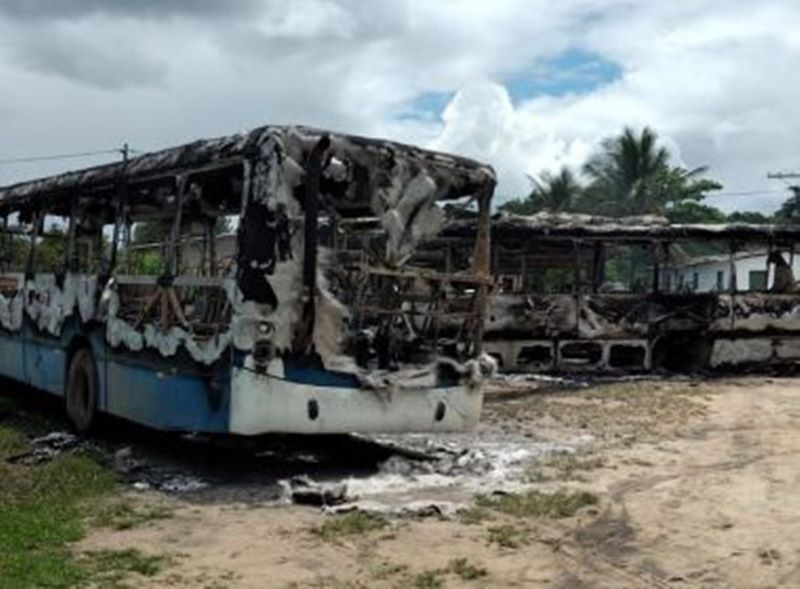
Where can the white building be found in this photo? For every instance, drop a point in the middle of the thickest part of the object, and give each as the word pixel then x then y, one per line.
pixel 713 273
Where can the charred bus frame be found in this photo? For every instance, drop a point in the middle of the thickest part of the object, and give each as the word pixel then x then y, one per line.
pixel 307 329
pixel 592 323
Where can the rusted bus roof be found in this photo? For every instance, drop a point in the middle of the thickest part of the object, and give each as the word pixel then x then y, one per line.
pixel 647 228
pixel 459 176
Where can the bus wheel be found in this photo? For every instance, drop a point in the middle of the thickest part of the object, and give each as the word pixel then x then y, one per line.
pixel 81 393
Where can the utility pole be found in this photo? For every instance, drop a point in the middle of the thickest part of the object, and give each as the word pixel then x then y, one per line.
pixel 795 188
pixel 783 175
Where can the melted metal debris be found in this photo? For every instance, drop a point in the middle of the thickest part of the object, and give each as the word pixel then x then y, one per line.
pixel 514 382
pixel 303 491
pixel 438 477
pixel 47 447
pixel 142 476
pixel 410 474
pixel 171 483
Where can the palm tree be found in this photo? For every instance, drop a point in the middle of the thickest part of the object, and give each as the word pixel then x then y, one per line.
pixel 673 187
pixel 622 174
pixel 557 193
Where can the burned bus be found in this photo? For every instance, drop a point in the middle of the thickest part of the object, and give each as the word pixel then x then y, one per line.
pixel 282 295
pixel 579 293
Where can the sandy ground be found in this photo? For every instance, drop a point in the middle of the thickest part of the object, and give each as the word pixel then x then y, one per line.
pixel 698 486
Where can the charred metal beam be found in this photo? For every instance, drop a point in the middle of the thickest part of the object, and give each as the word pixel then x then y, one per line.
pixel 313 171
pixel 120 203
pixel 481 263
pixel 545 227
pixel 312 178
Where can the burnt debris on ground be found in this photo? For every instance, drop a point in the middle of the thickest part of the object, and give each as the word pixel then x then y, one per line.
pixel 422 473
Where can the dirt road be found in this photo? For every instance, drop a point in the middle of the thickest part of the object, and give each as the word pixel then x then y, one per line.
pixel 697 485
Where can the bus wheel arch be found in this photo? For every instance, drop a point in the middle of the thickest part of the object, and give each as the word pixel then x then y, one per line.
pixel 81 388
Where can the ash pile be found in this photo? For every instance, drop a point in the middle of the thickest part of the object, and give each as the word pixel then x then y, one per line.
pixel 427 476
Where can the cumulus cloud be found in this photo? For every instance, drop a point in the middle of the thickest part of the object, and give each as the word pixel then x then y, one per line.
pixel 72 9
pixel 100 60
pixel 716 79
pixel 714 84
pixel 480 122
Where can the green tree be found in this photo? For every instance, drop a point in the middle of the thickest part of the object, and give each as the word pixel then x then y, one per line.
pixel 15 252
pixel 632 176
pixel 790 209
pixel 673 185
pixel 151 231
pixel 157 231
pixel 620 173
pixel 51 252
pixel 553 193
pixel 149 261
pixel 751 217
pixel 690 211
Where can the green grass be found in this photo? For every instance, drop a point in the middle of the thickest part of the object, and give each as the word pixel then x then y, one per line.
pixel 125 515
pixel 506 536
pixel 460 567
pixel 474 515
pixel 429 580
pixel 350 524
pixel 556 505
pixel 110 566
pixel 562 467
pixel 466 571
pixel 41 512
pixel 44 507
pixel 386 570
pixel 11 442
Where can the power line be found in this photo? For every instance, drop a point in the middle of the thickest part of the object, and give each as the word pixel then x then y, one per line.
pixel 795 188
pixel 60 156
pixel 745 193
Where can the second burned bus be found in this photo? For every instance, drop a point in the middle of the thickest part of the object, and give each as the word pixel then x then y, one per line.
pixel 576 293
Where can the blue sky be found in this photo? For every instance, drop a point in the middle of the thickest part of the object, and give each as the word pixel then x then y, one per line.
pixel 574 71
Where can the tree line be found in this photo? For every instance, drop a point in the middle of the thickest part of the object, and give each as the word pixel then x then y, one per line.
pixel 632 174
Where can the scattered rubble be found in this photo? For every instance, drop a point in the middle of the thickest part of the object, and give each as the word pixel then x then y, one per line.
pixel 47 447
pixel 419 475
pixel 436 477
pixel 417 509
pixel 145 476
pixel 303 491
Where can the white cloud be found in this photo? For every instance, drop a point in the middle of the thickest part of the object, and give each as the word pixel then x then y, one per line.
pixel 718 80
pixel 721 86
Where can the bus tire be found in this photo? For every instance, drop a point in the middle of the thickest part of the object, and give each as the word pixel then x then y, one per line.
pixel 81 390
